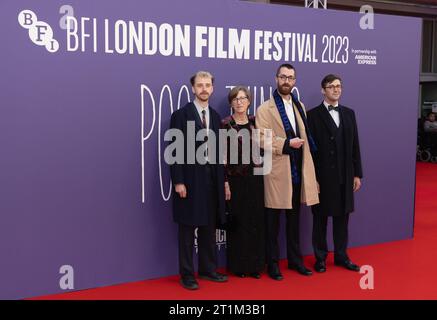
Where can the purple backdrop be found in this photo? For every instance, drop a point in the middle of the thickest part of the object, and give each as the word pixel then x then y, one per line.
pixel 71 135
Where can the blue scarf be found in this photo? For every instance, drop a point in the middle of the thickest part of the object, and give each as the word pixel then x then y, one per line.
pixel 288 129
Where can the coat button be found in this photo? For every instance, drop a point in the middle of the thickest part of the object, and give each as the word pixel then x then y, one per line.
pixel 332 138
pixel 331 152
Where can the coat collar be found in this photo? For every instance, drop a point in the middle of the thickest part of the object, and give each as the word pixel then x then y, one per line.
pixel 327 119
pixel 277 116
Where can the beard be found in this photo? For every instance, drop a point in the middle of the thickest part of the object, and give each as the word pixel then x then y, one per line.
pixel 203 96
pixel 284 89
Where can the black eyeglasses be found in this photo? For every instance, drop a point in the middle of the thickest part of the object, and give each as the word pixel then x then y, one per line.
pixel 338 86
pixel 241 99
pixel 284 77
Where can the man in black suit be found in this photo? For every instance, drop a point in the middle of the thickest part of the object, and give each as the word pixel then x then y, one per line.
pixel 338 171
pixel 199 199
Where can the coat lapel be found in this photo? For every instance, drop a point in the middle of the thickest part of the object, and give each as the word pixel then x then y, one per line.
pixel 327 119
pixel 347 123
pixel 194 115
pixel 212 124
pixel 275 114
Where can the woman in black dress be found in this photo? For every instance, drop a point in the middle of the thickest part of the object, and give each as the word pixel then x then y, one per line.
pixel 245 236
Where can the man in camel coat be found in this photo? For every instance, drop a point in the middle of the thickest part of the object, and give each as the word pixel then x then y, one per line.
pixel 292 180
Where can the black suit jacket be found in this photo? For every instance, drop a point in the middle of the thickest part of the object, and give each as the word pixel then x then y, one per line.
pixel 322 128
pixel 193 210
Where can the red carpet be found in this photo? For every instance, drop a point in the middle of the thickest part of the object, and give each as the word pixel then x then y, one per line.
pixel 403 269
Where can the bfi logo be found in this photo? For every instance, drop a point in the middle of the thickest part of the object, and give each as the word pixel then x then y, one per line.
pixel 40 32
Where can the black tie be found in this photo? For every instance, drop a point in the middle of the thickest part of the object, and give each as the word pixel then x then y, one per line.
pixel 204 118
pixel 332 108
pixel 206 138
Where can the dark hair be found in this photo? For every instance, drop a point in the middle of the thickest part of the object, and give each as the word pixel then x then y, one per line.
pixel 285 65
pixel 201 74
pixel 234 93
pixel 328 79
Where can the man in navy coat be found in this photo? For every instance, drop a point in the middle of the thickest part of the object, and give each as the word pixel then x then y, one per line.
pixel 338 170
pixel 199 200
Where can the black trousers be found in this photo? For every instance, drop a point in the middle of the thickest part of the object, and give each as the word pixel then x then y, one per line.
pixel 340 235
pixel 206 236
pixel 272 216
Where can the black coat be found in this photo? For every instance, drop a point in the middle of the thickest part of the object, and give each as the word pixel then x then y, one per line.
pixel 323 130
pixel 193 210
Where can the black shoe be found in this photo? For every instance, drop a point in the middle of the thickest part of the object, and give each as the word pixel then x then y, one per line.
pixel 189 283
pixel 348 265
pixel 320 266
pixel 240 274
pixel 214 276
pixel 274 272
pixel 255 275
pixel 300 269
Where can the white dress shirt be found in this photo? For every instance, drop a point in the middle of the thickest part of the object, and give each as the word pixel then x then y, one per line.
pixel 290 114
pixel 334 114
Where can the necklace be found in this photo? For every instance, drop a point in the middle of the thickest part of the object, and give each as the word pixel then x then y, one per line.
pixel 240 122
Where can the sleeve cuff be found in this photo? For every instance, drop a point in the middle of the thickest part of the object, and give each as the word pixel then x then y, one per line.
pixel 286 149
